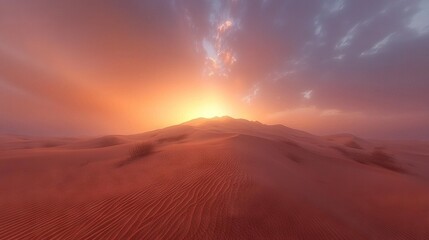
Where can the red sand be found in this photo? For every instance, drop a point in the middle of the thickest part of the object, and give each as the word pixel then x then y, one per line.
pixel 214 179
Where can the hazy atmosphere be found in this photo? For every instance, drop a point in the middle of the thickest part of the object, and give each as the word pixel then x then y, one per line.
pixel 100 67
pixel 214 119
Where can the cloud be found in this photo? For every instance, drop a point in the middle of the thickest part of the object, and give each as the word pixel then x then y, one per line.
pixel 215 42
pixel 420 20
pixel 339 57
pixel 334 6
pixel 378 46
pixel 223 27
pixel 307 94
pixel 253 93
pixel 348 38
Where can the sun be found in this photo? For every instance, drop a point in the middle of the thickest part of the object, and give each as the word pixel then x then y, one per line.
pixel 209 109
pixel 212 110
pixel 206 108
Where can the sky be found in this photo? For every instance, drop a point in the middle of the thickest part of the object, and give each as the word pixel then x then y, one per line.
pixel 88 67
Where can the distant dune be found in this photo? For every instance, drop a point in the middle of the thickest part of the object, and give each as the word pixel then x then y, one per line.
pixel 218 178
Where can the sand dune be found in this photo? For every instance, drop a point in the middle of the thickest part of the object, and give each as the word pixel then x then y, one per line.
pixel 219 178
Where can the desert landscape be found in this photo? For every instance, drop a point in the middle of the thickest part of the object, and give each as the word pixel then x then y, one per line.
pixel 219 178
pixel 214 119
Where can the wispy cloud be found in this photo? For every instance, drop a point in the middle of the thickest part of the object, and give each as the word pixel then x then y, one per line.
pixel 307 94
pixel 378 46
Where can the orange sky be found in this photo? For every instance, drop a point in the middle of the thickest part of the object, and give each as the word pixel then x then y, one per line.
pixel 100 67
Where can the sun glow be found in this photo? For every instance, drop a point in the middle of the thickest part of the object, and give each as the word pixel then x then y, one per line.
pixel 207 107
pixel 186 104
pixel 211 110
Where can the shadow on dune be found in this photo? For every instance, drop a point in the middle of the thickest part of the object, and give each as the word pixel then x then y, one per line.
pixel 172 138
pixel 377 157
pixel 353 144
pixel 145 149
pixel 137 152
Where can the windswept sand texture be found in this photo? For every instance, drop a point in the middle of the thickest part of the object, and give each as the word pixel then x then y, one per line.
pixel 214 179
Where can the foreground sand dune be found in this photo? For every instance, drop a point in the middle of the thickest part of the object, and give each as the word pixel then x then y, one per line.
pixel 214 179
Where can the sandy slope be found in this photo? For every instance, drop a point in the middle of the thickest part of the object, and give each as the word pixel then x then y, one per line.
pixel 214 179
